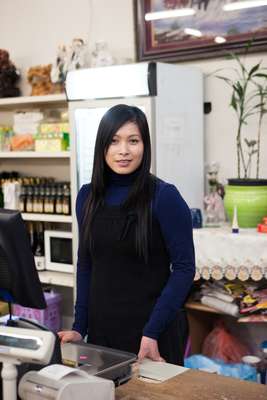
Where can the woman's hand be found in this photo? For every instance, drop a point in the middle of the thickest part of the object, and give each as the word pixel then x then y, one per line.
pixel 149 349
pixel 69 336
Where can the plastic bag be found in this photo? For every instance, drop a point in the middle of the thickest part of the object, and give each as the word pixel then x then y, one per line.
pixel 240 371
pixel 220 344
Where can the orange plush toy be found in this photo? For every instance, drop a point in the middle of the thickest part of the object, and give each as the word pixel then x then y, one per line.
pixel 39 78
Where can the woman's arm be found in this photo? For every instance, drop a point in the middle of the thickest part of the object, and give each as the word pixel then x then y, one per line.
pixel 175 221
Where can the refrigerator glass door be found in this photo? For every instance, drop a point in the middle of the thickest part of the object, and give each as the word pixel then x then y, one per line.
pixel 87 121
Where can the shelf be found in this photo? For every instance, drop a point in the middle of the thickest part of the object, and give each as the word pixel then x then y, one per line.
pixel 56 278
pixel 34 154
pixel 47 217
pixel 194 305
pixel 28 101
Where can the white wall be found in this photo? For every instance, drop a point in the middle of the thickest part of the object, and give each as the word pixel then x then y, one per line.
pixel 32 29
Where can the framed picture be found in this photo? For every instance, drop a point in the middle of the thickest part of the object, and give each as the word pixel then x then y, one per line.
pixel 210 28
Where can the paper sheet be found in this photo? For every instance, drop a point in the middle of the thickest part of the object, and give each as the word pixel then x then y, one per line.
pixel 57 371
pixel 159 371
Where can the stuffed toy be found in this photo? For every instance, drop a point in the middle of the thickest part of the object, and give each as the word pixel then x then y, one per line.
pixel 8 76
pixel 39 79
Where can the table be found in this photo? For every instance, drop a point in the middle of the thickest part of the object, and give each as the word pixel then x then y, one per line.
pixel 192 385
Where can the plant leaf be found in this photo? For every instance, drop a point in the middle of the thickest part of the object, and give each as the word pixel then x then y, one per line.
pixel 261 75
pixel 233 102
pixel 227 80
pixel 254 69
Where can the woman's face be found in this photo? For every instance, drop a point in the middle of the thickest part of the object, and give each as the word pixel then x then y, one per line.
pixel 125 153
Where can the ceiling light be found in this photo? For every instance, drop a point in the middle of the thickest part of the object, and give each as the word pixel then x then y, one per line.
pixel 181 12
pixel 193 32
pixel 219 39
pixel 239 5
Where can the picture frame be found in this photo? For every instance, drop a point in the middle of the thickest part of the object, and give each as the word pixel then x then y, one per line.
pixel 167 40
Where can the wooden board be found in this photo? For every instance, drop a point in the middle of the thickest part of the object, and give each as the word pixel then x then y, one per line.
pixel 192 385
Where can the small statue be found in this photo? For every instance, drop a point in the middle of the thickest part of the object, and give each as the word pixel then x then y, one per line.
pixel 101 55
pixel 59 68
pixel 77 54
pixel 73 57
pixel 9 76
pixel 213 202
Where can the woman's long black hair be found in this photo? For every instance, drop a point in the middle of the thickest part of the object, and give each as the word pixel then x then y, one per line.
pixel 140 195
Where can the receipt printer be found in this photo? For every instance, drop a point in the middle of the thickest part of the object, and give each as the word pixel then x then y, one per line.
pixel 58 382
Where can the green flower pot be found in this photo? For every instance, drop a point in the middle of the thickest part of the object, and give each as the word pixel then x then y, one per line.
pixel 250 197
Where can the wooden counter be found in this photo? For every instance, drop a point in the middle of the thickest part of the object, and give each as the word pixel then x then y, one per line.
pixel 193 385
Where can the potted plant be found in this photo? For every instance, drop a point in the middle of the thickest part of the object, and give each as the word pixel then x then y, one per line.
pixel 249 97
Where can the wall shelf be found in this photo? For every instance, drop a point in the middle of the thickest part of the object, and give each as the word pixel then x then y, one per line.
pixel 194 305
pixel 31 101
pixel 56 278
pixel 34 154
pixel 47 217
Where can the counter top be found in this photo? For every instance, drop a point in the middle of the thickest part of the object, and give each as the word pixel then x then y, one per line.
pixel 192 385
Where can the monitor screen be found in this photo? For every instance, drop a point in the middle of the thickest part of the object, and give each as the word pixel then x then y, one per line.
pixel 18 276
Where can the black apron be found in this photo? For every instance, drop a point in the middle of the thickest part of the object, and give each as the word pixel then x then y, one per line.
pixel 124 289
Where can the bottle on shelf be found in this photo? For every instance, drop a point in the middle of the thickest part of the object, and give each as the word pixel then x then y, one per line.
pixel 41 198
pixel 66 206
pixel 53 198
pixel 29 199
pixel 1 195
pixel 39 250
pixel 35 202
pixel 48 205
pixel 59 200
pixel 22 199
pixel 32 236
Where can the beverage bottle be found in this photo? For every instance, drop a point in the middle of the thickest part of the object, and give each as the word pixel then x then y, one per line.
pixel 29 200
pixel 22 199
pixel 32 236
pixel 39 250
pixel 1 194
pixel 59 200
pixel 66 206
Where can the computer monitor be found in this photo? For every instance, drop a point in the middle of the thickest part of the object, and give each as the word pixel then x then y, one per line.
pixel 19 280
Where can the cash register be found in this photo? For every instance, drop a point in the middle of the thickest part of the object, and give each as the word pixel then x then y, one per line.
pixel 93 374
pixel 92 371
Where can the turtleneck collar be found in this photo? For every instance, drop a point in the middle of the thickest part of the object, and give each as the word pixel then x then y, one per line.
pixel 121 179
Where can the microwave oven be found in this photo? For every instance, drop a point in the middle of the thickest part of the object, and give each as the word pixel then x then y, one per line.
pixel 58 251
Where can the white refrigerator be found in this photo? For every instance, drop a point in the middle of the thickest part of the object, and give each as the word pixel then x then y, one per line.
pixel 171 97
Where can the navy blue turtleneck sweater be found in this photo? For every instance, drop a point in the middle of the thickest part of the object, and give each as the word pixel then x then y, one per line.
pixel 174 218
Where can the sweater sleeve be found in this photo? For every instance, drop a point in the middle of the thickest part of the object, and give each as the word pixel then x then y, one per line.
pixel 83 271
pixel 175 222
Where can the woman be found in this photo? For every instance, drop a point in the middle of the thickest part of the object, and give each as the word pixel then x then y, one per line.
pixel 133 227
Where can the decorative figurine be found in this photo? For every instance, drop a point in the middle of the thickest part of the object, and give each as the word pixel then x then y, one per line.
pixel 213 202
pixel 73 57
pixel 9 76
pixel 101 55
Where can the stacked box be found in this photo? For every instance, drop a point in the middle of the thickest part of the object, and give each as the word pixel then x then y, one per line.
pixel 50 317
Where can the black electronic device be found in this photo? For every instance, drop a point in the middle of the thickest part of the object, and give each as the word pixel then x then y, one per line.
pixel 19 280
pixel 99 361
